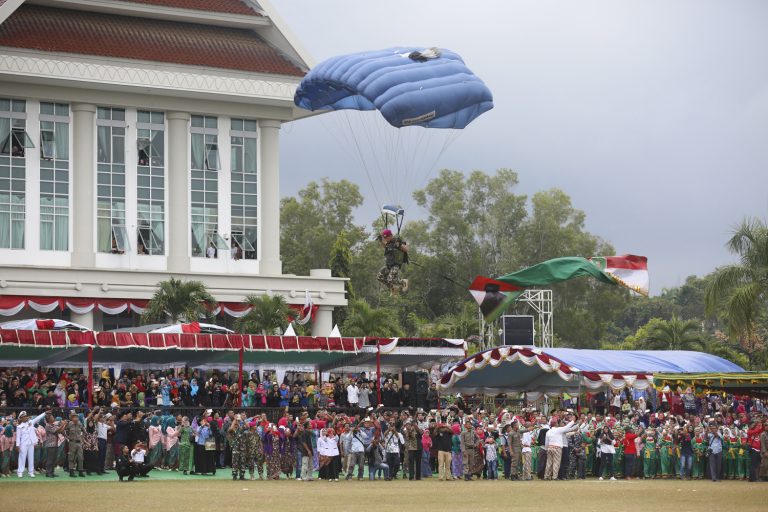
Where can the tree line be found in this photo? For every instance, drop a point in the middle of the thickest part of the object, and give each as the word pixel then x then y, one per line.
pixel 478 224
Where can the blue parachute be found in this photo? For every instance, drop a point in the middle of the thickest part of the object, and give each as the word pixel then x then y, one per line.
pixel 426 87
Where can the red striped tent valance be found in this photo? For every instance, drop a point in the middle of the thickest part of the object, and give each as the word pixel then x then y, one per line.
pixel 164 341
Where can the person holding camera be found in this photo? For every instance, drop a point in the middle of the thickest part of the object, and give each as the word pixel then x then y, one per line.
pixel 715 451
pixel 355 449
pixel 52 431
pixel 607 451
pixel 393 442
pixel 413 447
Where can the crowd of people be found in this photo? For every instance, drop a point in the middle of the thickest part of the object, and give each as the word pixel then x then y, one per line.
pixel 30 389
pixel 629 434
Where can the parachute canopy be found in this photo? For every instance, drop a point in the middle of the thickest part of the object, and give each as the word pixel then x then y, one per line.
pixel 410 86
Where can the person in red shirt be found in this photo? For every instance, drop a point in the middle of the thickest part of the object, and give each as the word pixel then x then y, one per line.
pixel 753 434
pixel 629 453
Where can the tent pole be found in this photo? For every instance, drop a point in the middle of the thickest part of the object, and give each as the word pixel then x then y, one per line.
pixel 240 379
pixel 378 372
pixel 578 397
pixel 90 378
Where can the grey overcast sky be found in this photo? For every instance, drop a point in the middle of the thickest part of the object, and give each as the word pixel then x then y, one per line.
pixel 652 115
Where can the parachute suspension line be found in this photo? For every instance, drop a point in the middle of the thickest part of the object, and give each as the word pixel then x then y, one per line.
pixel 362 159
pixel 453 137
pixel 374 143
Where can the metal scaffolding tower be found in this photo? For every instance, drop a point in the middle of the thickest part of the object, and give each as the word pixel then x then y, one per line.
pixel 540 301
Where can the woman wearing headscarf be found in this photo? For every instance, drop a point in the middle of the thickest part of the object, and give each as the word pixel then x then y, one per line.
pixel 194 391
pixel 287 446
pixel 7 442
pixel 204 462
pixel 426 446
pixel 170 443
pixel 273 397
pixel 457 462
pixel 271 440
pixel 61 394
pixel 155 435
pixel 185 446
pixel 91 447
pixel 72 401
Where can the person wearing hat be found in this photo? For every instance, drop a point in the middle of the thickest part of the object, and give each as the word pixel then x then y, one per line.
pixel 74 432
pixel 26 439
pixel 395 255
pixel 52 431
pixel 469 452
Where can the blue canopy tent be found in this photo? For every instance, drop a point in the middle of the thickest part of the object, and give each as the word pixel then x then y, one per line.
pixel 557 370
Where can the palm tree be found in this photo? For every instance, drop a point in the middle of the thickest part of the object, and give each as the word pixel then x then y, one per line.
pixel 268 314
pixel 738 293
pixel 178 300
pixel 363 320
pixel 674 334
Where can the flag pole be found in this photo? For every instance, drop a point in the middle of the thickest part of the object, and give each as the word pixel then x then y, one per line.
pixel 90 378
pixel 240 378
pixel 378 371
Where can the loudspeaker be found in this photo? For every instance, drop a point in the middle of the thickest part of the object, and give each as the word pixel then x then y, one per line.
pixel 422 386
pixel 517 329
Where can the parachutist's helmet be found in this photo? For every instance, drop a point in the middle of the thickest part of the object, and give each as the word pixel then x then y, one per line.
pixel 386 232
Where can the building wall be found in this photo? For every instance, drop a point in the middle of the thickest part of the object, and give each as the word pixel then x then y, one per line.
pixel 83 271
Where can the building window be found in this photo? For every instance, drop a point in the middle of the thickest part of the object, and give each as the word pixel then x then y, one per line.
pixel 110 184
pixel 244 189
pixel 204 188
pixel 54 176
pixel 150 230
pixel 13 141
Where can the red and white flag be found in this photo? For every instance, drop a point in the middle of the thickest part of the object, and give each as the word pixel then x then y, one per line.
pixel 306 311
pixel 628 270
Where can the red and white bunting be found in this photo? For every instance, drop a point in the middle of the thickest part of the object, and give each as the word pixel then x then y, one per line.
pixel 534 356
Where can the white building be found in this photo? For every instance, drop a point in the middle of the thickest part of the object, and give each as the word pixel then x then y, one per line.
pixel 139 140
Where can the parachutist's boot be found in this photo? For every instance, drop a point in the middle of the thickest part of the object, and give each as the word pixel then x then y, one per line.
pixel 404 286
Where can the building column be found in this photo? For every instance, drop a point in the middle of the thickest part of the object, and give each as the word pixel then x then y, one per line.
pixel 178 216
pixel 269 199
pixel 323 324
pixel 84 319
pixel 83 186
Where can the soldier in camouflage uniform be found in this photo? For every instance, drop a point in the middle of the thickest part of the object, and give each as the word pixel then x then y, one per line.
pixel 255 451
pixel 74 433
pixel 395 256
pixel 237 440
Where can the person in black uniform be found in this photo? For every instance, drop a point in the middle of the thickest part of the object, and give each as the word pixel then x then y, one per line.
pixel 125 466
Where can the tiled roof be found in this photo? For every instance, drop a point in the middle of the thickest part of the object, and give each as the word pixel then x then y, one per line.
pixel 60 30
pixel 227 6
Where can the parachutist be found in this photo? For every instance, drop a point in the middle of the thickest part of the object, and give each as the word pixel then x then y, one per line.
pixel 395 256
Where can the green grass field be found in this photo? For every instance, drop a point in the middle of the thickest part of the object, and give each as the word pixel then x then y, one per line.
pixel 173 491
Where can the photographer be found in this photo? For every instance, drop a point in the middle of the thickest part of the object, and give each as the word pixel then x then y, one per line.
pixel 393 440
pixel 607 451
pixel 413 447
pixel 355 448
pixel 715 451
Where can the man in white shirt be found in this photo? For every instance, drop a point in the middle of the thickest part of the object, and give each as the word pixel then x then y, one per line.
pixel 137 457
pixel 102 430
pixel 353 394
pixel 555 441
pixel 527 452
pixel 26 439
